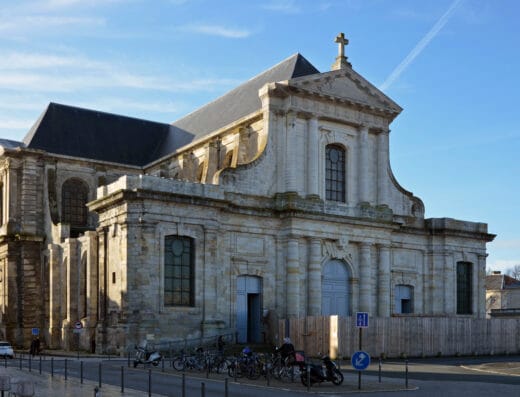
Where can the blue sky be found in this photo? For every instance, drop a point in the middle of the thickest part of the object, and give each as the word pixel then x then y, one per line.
pixel 453 65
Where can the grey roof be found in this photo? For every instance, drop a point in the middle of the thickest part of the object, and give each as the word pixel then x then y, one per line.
pixel 10 144
pixel 243 100
pixel 77 132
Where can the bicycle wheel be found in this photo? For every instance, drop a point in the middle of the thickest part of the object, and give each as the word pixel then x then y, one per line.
pixel 179 364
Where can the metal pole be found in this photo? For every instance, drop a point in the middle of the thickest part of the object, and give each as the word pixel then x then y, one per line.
pixel 40 368
pixel 81 372
pixel 226 388
pixel 65 369
pixel 202 389
pixel 162 363
pixel 380 369
pixel 308 377
pixel 183 384
pixel 21 362
pixel 360 348
pixel 30 364
pixel 99 375
pixel 406 374
pixel 128 355
pixel 149 383
pixel 122 379
pixel 52 367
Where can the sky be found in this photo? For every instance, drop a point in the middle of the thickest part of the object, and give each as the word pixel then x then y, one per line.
pixel 452 65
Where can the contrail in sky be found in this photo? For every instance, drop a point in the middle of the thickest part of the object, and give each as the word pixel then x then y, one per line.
pixel 420 46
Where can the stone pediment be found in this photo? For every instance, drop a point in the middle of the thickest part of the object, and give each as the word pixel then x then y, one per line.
pixel 347 85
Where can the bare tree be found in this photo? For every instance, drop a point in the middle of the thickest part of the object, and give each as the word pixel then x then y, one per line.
pixel 514 271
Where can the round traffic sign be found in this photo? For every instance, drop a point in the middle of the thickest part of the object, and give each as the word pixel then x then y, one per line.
pixel 360 360
pixel 78 325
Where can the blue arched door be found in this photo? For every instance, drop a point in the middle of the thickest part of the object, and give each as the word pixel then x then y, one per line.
pixel 335 289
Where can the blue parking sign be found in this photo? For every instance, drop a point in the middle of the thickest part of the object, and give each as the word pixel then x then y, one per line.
pixel 360 360
pixel 362 319
pixel 36 331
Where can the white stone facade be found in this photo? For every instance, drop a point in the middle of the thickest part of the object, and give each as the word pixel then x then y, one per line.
pixel 252 198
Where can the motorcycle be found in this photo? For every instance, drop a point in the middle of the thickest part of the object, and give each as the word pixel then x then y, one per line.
pixel 318 373
pixel 144 356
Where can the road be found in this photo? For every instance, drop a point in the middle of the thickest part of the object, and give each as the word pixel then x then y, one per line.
pixel 480 376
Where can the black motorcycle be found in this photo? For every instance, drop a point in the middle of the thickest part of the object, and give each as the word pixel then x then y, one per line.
pixel 317 373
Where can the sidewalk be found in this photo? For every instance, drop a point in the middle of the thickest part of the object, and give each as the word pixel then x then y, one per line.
pixel 47 386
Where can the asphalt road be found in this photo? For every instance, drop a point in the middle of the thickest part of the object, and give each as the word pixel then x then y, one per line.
pixel 479 376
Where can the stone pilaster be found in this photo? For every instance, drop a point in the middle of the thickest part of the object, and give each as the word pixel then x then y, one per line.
pixel 382 166
pixel 293 278
pixel 480 293
pixel 55 302
pixel 384 281
pixel 363 181
pixel 290 158
pixel 365 284
pixel 314 277
pixel 312 157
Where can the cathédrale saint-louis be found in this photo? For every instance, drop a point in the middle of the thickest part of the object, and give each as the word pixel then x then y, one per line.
pixel 275 200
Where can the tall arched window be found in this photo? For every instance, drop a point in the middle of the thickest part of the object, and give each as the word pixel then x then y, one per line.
pixel 335 173
pixel 74 197
pixel 179 271
pixel 464 290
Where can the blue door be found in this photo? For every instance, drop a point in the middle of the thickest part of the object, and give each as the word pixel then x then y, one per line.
pixel 334 289
pixel 249 309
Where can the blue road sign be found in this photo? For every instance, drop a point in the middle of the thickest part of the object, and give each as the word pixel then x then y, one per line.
pixel 36 331
pixel 360 360
pixel 362 319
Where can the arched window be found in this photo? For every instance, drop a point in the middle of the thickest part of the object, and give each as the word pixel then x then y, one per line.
pixel 74 197
pixel 464 290
pixel 335 177
pixel 179 272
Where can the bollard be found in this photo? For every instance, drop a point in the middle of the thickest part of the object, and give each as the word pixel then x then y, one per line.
pixel 30 364
pixel 379 369
pixel 162 363
pixel 52 367
pixel 99 375
pixel 21 362
pixel 308 377
pixel 66 369
pixel 183 384
pixel 202 389
pixel 81 372
pixel 5 361
pixel 149 383
pixel 226 388
pixel 122 379
pixel 267 370
pixel 40 368
pixel 406 374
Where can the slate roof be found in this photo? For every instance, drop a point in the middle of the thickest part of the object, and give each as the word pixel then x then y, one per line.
pixel 243 100
pixel 91 134
pixel 10 144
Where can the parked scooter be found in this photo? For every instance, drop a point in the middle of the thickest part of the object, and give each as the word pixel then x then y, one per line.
pixel 144 356
pixel 316 373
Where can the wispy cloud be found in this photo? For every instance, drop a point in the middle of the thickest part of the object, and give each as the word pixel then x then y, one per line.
pixel 420 46
pixel 285 6
pixel 32 22
pixel 216 30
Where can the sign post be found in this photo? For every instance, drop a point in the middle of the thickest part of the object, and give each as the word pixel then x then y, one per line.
pixel 361 359
pixel 78 328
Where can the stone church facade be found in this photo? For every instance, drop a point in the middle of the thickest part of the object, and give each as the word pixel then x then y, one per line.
pixel 276 200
